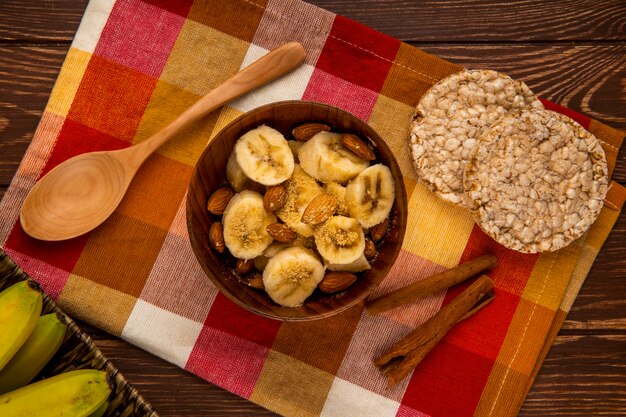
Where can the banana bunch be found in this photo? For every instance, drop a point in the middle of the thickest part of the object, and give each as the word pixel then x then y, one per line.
pixel 20 307
pixel 38 349
pixel 305 206
pixel 75 393
pixel 28 341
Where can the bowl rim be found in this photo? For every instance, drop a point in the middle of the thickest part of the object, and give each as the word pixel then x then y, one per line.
pixel 218 281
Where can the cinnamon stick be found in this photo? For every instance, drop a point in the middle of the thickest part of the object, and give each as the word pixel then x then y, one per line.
pixel 430 285
pixel 398 361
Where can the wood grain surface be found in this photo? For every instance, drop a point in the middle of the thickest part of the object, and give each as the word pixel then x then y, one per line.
pixel 569 51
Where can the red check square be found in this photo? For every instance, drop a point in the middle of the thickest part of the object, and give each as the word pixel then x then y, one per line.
pixel 448 382
pixel 358 54
pixel 62 254
pixel 227 316
pixel 75 139
pixel 180 7
pixel 139 36
pixel 112 98
pixel 484 332
pixel 327 88
pixel 226 360
pixel 513 269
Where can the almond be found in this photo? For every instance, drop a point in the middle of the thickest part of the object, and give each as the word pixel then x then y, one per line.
pixel 281 232
pixel 357 146
pixel 275 198
pixel 216 237
pixel 370 251
pixel 378 232
pixel 336 281
pixel 320 209
pixel 244 266
pixel 255 281
pixel 306 131
pixel 219 200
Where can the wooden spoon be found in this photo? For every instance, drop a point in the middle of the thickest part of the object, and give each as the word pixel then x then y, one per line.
pixel 82 192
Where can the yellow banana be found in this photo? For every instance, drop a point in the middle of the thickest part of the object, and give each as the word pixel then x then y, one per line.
pixel 20 306
pixel 71 394
pixel 101 410
pixel 38 349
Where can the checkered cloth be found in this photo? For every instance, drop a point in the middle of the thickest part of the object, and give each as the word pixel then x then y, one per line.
pixel 134 65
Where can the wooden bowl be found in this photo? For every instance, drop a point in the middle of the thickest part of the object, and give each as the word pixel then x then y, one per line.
pixel 210 172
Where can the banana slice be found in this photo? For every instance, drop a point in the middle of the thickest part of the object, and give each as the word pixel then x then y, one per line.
pixel 264 156
pixel 339 192
pixel 237 179
pixel 292 275
pixel 340 240
pixel 301 189
pixel 361 264
pixel 245 220
pixel 370 196
pixel 326 159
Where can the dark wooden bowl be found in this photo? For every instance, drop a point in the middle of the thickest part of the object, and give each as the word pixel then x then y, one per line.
pixel 209 174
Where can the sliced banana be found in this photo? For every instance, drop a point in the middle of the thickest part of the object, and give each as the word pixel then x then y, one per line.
pixel 370 195
pixel 264 156
pixel 339 192
pixel 361 264
pixel 245 220
pixel 340 240
pixel 237 178
pixel 301 189
pixel 292 275
pixel 326 159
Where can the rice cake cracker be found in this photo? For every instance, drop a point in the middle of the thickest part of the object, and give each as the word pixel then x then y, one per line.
pixel 536 180
pixel 449 119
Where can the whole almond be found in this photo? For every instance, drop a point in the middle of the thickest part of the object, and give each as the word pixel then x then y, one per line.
pixel 244 266
pixel 275 198
pixel 219 200
pixel 357 146
pixel 336 281
pixel 370 251
pixel 320 209
pixel 306 131
pixel 255 281
pixel 281 232
pixel 216 237
pixel 378 232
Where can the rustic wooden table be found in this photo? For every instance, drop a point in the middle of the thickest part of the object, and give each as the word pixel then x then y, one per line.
pixel 572 52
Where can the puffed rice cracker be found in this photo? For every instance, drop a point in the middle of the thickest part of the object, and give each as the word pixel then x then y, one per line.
pixel 449 119
pixel 536 180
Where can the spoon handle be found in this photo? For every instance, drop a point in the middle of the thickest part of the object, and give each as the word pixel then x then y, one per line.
pixel 276 63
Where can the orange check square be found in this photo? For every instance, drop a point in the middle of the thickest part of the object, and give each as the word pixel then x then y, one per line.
pixel 120 254
pixel 413 73
pixel 111 98
pixel 237 18
pixel 156 191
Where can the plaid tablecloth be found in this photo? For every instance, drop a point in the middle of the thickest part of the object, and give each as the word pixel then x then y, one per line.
pixel 133 66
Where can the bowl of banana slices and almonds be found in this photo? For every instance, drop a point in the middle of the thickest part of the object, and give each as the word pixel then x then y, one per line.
pixel 296 210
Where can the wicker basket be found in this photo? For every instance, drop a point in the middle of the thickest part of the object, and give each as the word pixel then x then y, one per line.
pixel 78 351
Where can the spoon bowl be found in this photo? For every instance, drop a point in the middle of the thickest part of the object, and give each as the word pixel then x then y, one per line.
pixel 82 192
pixel 75 197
